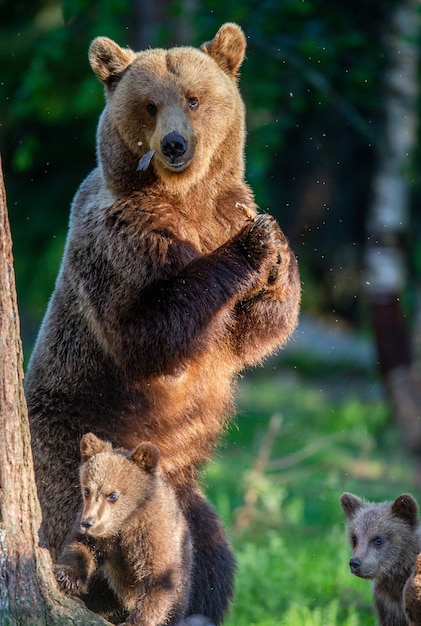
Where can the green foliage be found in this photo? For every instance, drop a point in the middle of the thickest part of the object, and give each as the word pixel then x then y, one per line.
pixel 314 55
pixel 291 545
pixel 308 63
pixel 298 583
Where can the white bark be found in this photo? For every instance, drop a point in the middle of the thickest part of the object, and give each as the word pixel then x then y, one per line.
pixel 388 221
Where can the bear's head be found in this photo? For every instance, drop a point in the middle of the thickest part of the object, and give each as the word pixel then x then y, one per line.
pixel 114 483
pixel 172 116
pixel 412 595
pixel 384 536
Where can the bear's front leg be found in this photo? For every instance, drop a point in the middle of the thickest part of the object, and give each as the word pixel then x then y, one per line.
pixel 156 606
pixel 266 316
pixel 276 276
pixel 74 569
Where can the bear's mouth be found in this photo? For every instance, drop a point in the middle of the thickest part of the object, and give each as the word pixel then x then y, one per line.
pixel 168 163
pixel 176 165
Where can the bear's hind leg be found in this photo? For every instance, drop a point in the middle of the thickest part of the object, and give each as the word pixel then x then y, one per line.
pixel 213 561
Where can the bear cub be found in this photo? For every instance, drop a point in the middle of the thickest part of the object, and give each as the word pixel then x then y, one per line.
pixel 132 529
pixel 385 539
pixel 412 595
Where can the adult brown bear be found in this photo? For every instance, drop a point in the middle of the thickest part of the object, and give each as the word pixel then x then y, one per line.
pixel 170 285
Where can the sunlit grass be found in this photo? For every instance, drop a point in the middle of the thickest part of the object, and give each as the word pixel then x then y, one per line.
pixel 296 444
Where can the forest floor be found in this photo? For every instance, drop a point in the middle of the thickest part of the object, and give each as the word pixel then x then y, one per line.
pixel 311 424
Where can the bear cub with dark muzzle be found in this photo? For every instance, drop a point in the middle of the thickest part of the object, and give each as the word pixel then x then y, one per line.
pixel 385 539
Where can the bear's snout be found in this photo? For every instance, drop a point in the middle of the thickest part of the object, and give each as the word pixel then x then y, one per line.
pixel 87 523
pixel 354 565
pixel 173 146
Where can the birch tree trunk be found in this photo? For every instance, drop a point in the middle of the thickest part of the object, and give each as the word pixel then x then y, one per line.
pixel 28 594
pixel 389 223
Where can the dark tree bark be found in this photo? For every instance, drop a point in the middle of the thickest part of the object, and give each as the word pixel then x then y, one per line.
pixel 28 594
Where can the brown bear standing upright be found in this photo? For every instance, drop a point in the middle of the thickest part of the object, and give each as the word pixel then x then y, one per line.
pixel 133 531
pixel 170 285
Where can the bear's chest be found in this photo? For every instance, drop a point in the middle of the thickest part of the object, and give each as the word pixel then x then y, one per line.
pixel 120 574
pixel 204 224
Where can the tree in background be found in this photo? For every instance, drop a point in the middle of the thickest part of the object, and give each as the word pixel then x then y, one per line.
pixel 388 225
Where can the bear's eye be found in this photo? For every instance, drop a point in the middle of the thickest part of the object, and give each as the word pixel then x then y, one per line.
pixel 151 109
pixel 378 540
pixel 112 497
pixel 86 492
pixel 193 103
pixel 354 541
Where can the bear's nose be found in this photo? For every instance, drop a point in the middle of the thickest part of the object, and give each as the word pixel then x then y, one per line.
pixel 354 564
pixel 173 145
pixel 87 523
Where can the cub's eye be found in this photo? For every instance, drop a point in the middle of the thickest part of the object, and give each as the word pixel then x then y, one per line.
pixel 86 492
pixel 151 109
pixel 378 540
pixel 112 497
pixel 354 541
pixel 193 103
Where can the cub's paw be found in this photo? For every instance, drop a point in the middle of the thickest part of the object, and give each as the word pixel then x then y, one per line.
pixel 69 581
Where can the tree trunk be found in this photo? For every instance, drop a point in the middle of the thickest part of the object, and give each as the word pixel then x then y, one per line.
pixel 28 594
pixel 389 223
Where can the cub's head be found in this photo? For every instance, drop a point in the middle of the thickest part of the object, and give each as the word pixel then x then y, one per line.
pixel 384 536
pixel 114 484
pixel 412 595
pixel 175 114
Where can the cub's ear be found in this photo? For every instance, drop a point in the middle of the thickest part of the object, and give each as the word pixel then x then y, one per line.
pixel 108 60
pixel 90 445
pixel 227 48
pixel 351 503
pixel 405 507
pixel 146 456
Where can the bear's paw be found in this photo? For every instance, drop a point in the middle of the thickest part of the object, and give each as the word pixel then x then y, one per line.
pixel 69 581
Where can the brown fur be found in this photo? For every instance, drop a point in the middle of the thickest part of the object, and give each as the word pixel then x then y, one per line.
pixel 385 538
pixel 412 595
pixel 170 285
pixel 133 530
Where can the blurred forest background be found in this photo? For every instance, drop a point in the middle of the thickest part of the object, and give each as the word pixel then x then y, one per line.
pixel 333 152
pixel 332 96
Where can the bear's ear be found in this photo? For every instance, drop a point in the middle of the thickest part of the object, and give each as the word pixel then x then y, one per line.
pixel 405 507
pixel 227 48
pixel 108 60
pixel 90 445
pixel 146 456
pixel 350 503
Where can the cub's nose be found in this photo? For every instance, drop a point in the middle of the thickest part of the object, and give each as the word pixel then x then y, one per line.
pixel 354 565
pixel 173 145
pixel 87 523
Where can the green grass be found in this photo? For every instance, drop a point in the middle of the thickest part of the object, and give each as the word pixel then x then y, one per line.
pixel 315 438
